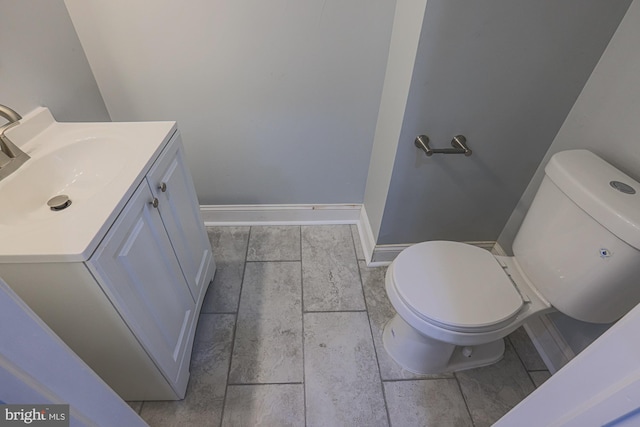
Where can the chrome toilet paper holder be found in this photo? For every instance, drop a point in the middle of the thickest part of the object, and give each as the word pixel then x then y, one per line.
pixel 459 144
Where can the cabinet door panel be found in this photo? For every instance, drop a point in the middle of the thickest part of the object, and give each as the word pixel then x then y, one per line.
pixel 181 215
pixel 139 272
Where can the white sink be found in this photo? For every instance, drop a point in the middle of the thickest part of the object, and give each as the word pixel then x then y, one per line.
pixel 94 164
pixel 80 169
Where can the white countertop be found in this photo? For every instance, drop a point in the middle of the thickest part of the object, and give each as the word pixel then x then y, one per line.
pixel 118 155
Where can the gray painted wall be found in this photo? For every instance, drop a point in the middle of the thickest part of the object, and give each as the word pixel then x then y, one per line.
pixel 605 120
pixel 42 63
pixel 277 100
pixel 505 73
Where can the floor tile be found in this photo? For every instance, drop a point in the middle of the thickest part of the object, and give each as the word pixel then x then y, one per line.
pixel 357 242
pixel 526 350
pixel 268 343
pixel 322 367
pixel 342 383
pixel 435 402
pixel 380 312
pixel 274 243
pixel 229 250
pixel 278 405
pixel 539 377
pixel 490 392
pixel 135 405
pixel 329 269
pixel 202 405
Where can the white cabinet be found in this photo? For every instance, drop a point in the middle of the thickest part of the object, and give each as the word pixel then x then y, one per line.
pixel 171 184
pixel 140 274
pixel 130 311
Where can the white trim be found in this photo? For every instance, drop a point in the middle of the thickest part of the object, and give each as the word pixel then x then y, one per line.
pixel 553 349
pixel 497 250
pixel 367 240
pixel 385 254
pixel 214 215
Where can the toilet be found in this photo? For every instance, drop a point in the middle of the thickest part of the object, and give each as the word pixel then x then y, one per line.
pixel 576 252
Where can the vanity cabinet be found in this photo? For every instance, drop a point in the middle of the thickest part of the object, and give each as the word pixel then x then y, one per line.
pixel 172 186
pixel 131 309
pixel 137 269
pixel 155 260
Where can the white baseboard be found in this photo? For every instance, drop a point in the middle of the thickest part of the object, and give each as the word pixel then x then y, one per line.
pixel 367 240
pixel 553 349
pixel 497 250
pixel 385 254
pixel 215 215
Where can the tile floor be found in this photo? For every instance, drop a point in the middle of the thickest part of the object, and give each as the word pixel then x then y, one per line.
pixel 290 334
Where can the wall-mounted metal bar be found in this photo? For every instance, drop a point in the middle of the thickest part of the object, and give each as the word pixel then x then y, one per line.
pixel 459 144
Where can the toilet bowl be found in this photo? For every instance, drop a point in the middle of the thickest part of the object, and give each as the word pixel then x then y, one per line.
pixel 456 320
pixel 576 252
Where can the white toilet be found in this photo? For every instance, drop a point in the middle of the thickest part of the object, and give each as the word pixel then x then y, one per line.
pixel 577 252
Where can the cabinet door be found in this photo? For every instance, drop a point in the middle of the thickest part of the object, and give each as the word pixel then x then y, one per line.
pixel 138 271
pixel 171 183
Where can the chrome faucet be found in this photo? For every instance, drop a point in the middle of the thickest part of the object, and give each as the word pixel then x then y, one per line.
pixel 11 157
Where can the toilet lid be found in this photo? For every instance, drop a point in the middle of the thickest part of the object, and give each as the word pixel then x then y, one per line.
pixel 455 285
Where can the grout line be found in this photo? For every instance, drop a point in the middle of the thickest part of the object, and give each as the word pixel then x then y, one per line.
pixel 304 385
pixel 335 311
pixel 353 243
pixel 217 312
pixel 355 255
pixel 357 243
pixel 235 327
pixel 464 399
pixel 515 350
pixel 254 384
pixel 274 260
pixel 373 342
pixel 400 380
pixel 246 254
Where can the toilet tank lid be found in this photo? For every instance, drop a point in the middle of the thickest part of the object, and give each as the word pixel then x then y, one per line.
pixel 608 195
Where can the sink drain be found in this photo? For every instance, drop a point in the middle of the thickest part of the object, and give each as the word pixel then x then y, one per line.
pixel 58 203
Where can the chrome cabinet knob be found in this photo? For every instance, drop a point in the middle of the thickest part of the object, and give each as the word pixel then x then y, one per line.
pixel 163 187
pixel 154 202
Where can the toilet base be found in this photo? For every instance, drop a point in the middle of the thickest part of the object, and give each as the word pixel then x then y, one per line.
pixel 424 355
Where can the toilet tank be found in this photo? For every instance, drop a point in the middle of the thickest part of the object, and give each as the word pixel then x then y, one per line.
pixel 579 242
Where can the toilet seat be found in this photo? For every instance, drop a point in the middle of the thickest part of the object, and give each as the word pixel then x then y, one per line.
pixel 455 286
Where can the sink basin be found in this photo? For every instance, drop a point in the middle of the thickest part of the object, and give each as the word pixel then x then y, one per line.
pixel 97 165
pixel 79 170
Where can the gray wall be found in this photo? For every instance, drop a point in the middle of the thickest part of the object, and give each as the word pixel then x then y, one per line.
pixel 605 120
pixel 42 62
pixel 277 100
pixel 505 73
